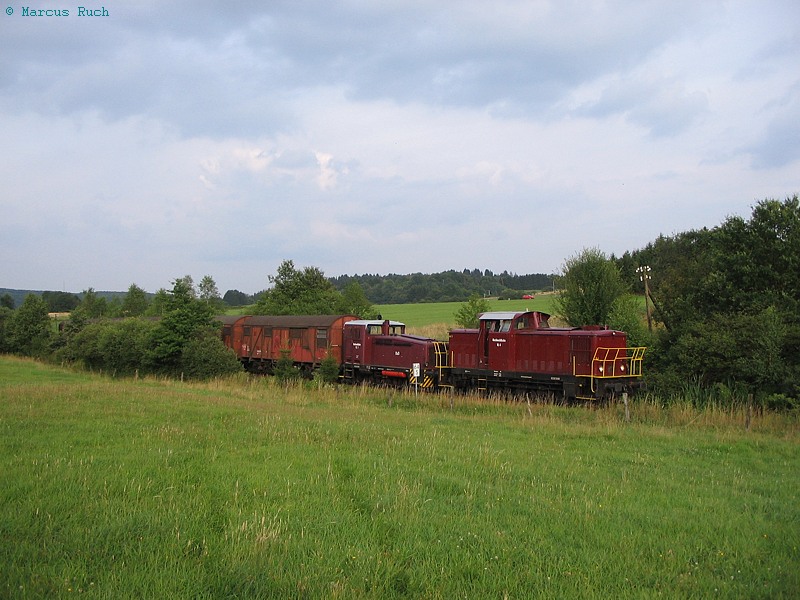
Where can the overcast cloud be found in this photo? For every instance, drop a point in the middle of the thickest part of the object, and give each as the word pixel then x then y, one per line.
pixel 173 138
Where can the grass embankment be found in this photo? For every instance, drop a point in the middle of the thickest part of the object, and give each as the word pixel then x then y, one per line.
pixel 248 489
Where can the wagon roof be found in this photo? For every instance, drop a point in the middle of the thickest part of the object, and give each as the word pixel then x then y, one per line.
pixel 295 320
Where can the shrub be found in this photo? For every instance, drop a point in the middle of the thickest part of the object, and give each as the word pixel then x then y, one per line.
pixel 124 345
pixel 328 371
pixel 781 402
pixel 205 356
pixel 29 330
pixel 284 367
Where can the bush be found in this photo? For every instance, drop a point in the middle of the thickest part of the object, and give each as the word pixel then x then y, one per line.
pixel 781 402
pixel 328 371
pixel 206 356
pixel 284 367
pixel 83 346
pixel 124 345
pixel 29 331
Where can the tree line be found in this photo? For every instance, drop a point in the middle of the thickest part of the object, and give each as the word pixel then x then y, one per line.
pixel 175 334
pixel 135 302
pixel 447 286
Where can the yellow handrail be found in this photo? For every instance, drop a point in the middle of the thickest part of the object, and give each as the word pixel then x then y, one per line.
pixel 615 362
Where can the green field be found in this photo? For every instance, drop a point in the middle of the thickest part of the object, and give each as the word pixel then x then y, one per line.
pixel 246 488
pixel 419 315
pixel 431 313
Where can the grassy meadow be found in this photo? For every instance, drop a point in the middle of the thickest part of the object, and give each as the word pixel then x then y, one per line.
pixel 246 488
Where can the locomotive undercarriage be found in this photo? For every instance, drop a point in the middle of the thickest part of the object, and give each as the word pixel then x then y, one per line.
pixel 568 387
pixel 388 376
pixel 471 381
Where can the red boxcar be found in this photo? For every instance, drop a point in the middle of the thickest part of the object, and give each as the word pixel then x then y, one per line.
pixel 380 350
pixel 258 340
pixel 520 351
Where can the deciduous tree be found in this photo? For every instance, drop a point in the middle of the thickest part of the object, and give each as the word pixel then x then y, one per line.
pixel 30 332
pixel 467 314
pixel 135 302
pixel 186 317
pixel 208 291
pixel 590 284
pixel 354 302
pixel 299 292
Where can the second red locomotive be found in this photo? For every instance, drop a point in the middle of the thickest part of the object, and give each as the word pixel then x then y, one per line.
pixel 520 351
pixel 381 351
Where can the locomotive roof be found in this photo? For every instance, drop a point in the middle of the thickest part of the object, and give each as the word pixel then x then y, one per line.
pixel 365 322
pixel 500 315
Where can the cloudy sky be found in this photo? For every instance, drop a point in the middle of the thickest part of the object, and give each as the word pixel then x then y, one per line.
pixel 198 137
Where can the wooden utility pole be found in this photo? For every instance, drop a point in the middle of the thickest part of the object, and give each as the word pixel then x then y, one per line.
pixel 644 276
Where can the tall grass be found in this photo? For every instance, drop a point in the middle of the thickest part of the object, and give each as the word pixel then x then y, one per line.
pixel 251 488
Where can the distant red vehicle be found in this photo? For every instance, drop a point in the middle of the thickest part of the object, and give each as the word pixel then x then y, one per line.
pixel 528 297
pixel 520 351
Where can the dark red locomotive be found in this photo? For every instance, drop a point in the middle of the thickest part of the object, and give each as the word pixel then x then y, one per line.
pixel 381 351
pixel 520 351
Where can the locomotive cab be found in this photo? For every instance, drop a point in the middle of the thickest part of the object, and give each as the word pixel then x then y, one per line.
pixel 496 335
pixel 359 338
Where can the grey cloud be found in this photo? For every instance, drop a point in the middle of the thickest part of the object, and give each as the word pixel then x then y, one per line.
pixel 355 136
pixel 209 70
pixel 779 144
pixel 663 107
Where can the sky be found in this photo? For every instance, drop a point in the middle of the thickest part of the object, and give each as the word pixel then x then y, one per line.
pixel 160 139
